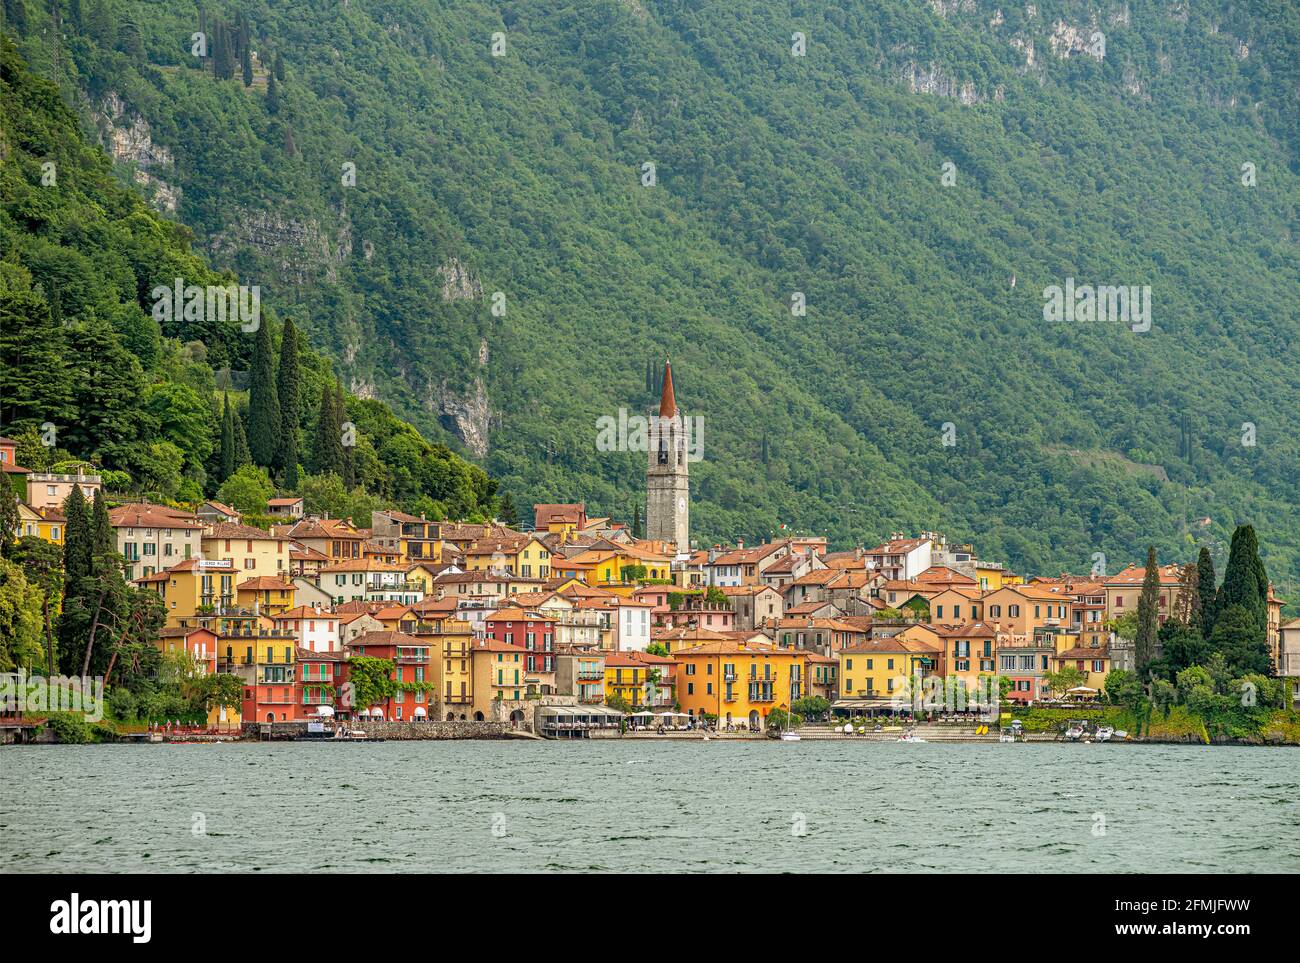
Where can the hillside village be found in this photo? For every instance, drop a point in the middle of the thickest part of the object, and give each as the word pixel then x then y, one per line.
pixel 409 619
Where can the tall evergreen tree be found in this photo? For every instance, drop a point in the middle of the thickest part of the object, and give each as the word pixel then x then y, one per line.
pixel 9 519
pixel 1148 611
pixel 77 553
pixel 1205 591
pixel 16 16
pixel 1187 606
pixel 507 513
pixel 288 390
pixel 278 71
pixel 349 462
pixel 246 66
pixel 1245 582
pixel 264 418
pixel 272 95
pixel 35 384
pixel 327 449
pixel 242 455
pixel 226 459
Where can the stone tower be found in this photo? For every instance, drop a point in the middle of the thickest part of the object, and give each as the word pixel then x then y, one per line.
pixel 668 494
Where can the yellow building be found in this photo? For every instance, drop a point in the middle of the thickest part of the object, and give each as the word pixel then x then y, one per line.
pixel 627 678
pixel 739 682
pixel 45 524
pixel 614 570
pixel 450 641
pixel 192 587
pixel 268 595
pixel 883 668
pixel 524 555
pixel 497 671
pixel 252 552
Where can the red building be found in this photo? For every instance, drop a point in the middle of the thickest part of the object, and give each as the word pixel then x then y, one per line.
pixel 411 671
pixel 533 633
pixel 319 677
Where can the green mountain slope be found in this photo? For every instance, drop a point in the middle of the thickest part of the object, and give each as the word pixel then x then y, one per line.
pixel 776 174
pixel 88 372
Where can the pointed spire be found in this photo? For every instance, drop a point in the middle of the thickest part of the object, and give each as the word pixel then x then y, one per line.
pixel 667 399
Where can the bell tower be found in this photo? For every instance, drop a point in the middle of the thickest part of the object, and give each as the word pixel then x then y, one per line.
pixel 668 508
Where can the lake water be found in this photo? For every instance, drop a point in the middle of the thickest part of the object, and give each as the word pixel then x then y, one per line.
pixel 648 806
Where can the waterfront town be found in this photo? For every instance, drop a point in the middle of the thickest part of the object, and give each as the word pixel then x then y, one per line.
pixel 575 622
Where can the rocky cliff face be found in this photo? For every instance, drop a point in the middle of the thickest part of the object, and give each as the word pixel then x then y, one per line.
pixel 128 138
pixel 468 414
pixel 299 248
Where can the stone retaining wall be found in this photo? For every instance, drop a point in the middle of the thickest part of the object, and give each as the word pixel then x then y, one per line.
pixel 388 730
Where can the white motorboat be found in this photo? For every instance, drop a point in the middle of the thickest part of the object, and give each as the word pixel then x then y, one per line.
pixel 1104 733
pixel 910 737
pixel 789 737
pixel 1007 735
pixel 1074 733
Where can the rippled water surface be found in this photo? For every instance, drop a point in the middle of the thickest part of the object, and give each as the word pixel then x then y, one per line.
pixel 648 806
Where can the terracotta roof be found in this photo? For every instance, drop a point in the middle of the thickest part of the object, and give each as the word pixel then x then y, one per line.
pixel 306 612
pixel 263 583
pixel 495 645
pixel 223 508
pixel 1134 575
pixel 400 516
pixel 386 637
pixel 736 647
pixel 144 515
pixel 891 647
pixel 307 655
pixel 972 629
pixel 513 613
pixel 573 513
pixel 941 573
pixel 667 396
pixel 688 634
pixel 832 625
pixel 1085 652
pixel 284 501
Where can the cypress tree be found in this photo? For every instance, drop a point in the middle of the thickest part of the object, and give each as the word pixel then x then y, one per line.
pixel 246 63
pixel 1148 613
pixel 508 514
pixel 349 467
pixel 272 95
pixel 1245 582
pixel 287 377
pixel 327 451
pixel 227 458
pixel 9 520
pixel 278 71
pixel 242 455
pixel 264 418
pixel 1205 591
pixel 73 621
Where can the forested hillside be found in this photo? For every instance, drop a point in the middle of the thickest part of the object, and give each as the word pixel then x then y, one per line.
pixel 89 374
pixel 1165 156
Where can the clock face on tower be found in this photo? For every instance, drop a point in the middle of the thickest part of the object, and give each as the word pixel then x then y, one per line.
pixel 681 504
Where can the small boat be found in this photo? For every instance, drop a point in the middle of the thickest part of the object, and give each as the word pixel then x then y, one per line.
pixel 789 736
pixel 1007 735
pixel 1104 733
pixel 910 737
pixel 1121 734
pixel 1074 733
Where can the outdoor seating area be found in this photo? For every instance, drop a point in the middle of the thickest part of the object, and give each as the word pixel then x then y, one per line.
pixel 575 722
